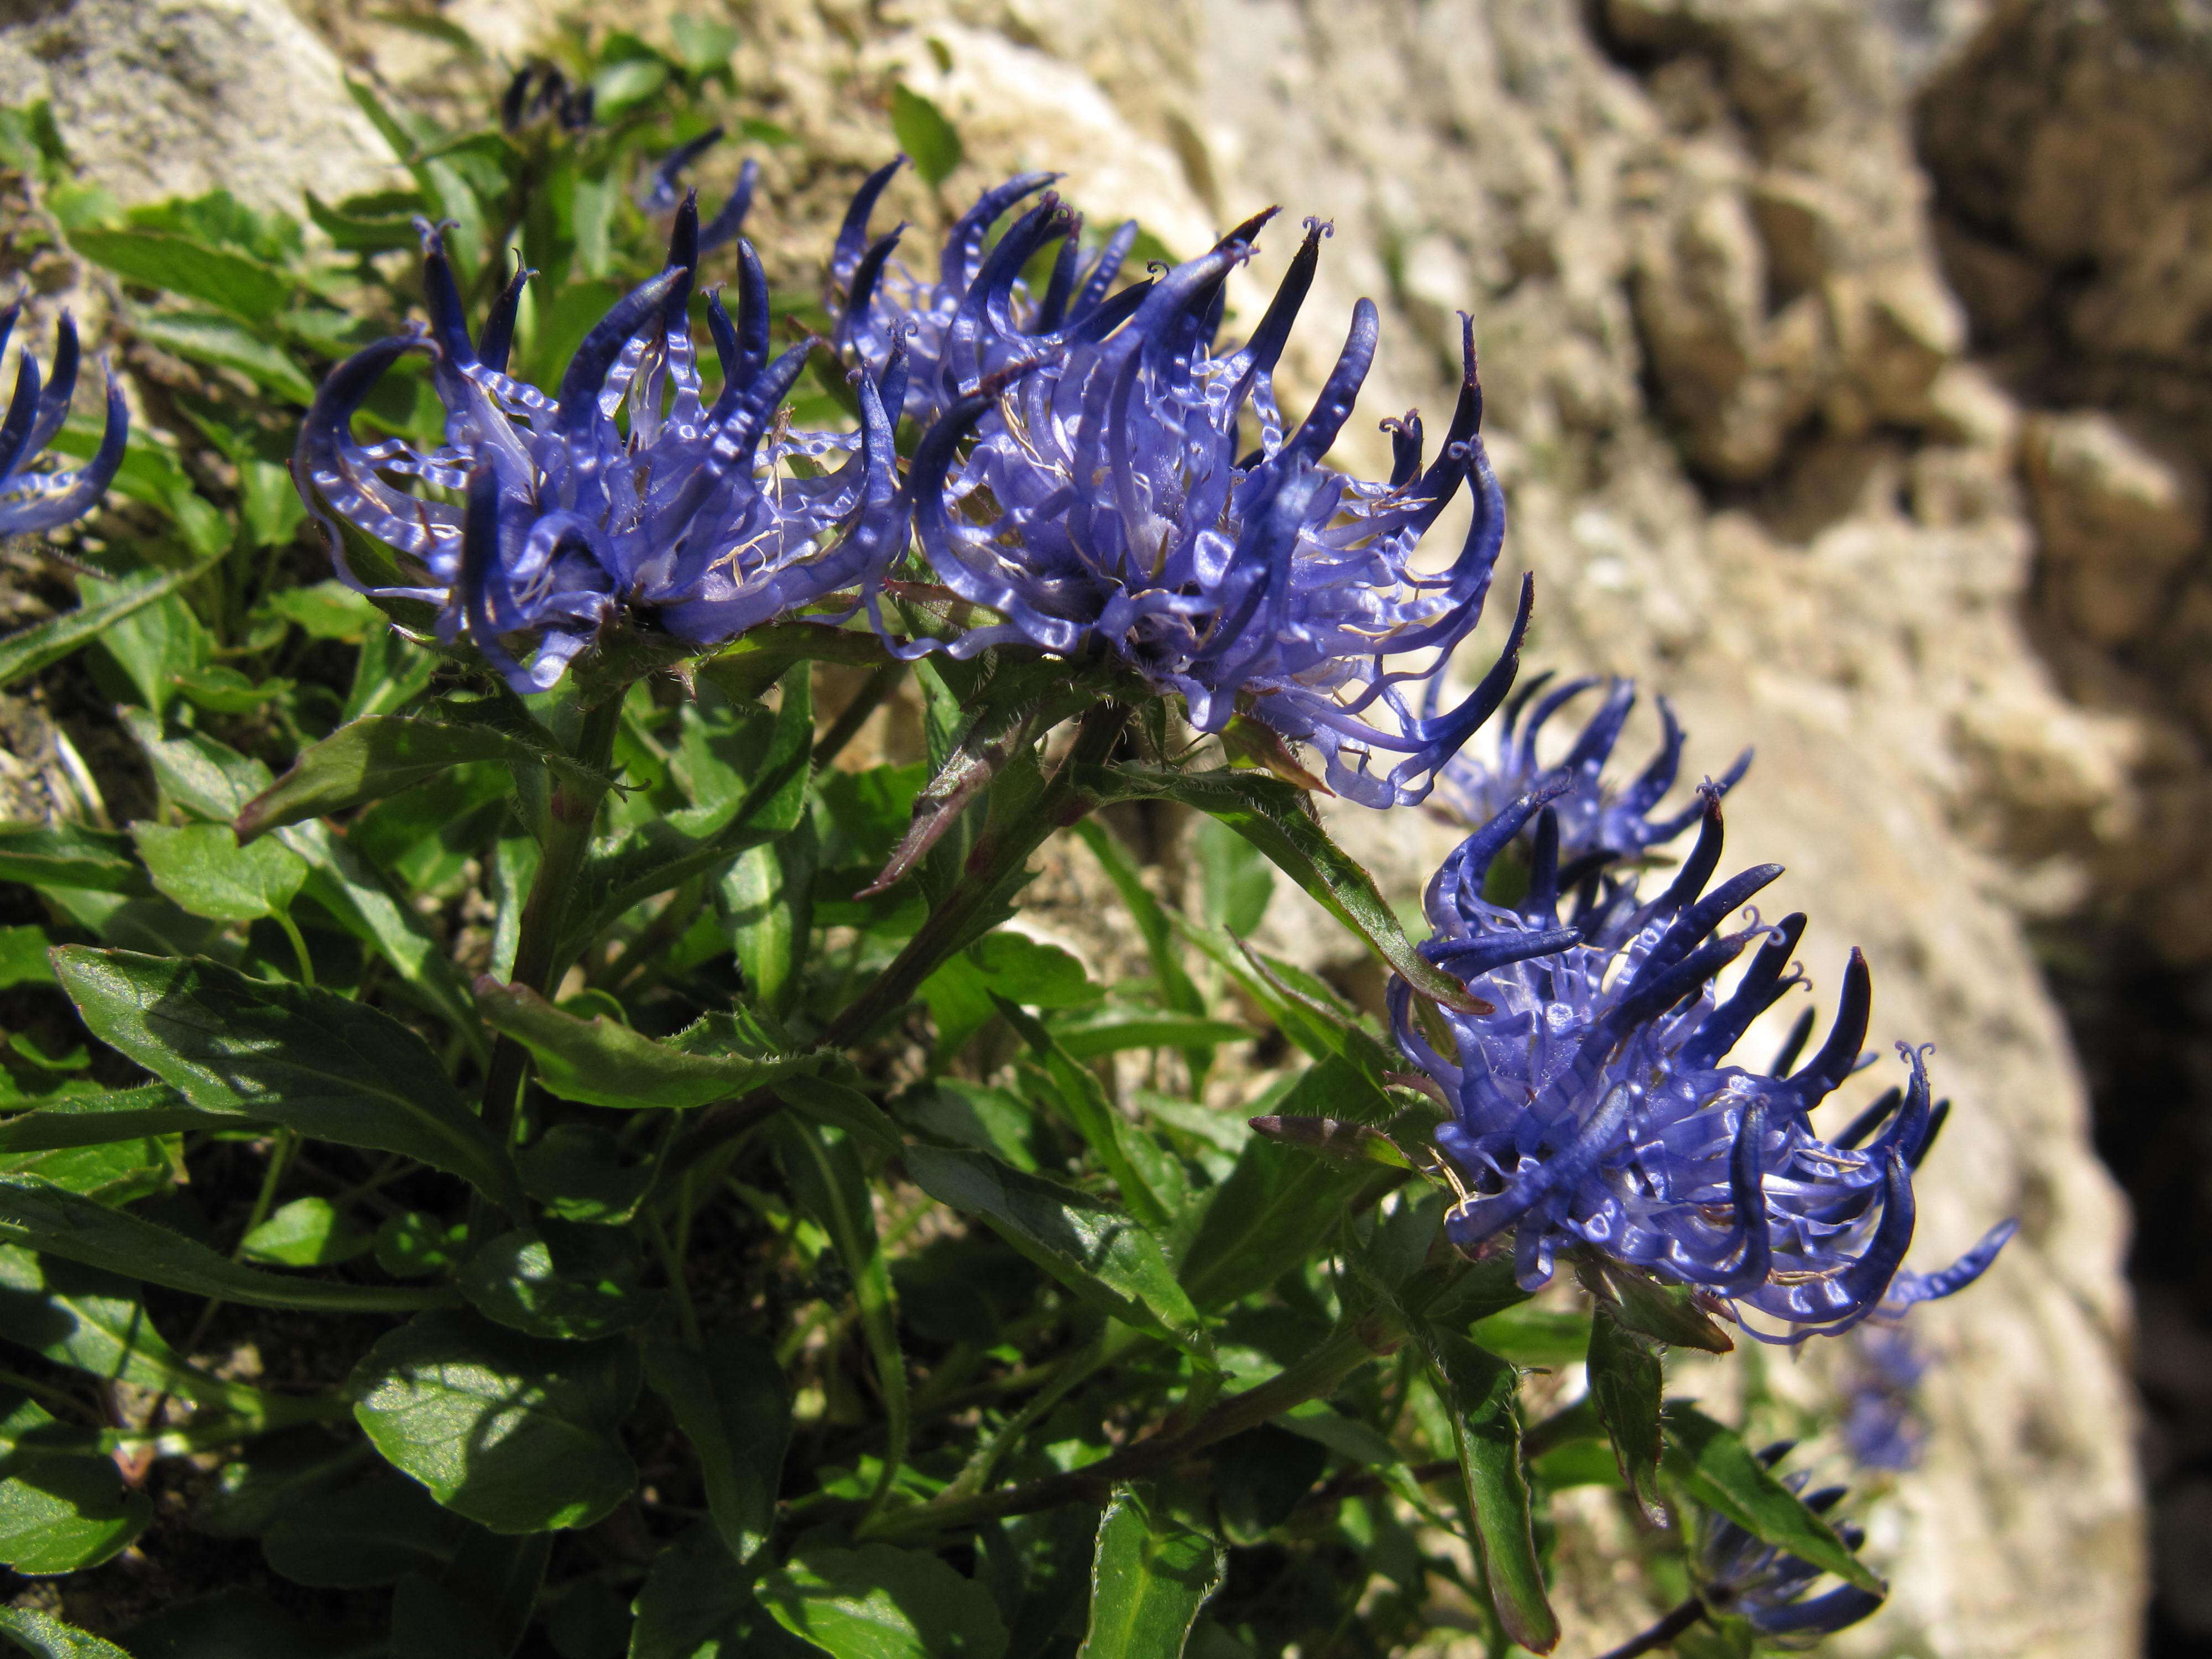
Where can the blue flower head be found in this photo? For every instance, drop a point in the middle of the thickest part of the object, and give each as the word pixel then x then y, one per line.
pixel 1091 484
pixel 1597 822
pixel 624 493
pixel 977 319
pixel 31 502
pixel 1740 1576
pixel 1882 1426
pixel 1596 1108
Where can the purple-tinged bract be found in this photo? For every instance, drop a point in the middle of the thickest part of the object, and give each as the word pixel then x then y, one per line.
pixel 1095 493
pixel 1595 1107
pixel 1743 1577
pixel 1596 820
pixel 31 502
pixel 625 492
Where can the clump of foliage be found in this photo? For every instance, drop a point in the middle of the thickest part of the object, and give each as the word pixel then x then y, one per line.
pixel 515 1143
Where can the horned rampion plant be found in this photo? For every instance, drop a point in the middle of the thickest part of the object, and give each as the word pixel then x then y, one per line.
pixel 523 1134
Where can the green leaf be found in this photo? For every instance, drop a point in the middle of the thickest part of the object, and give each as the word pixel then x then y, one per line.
pixel 698 1604
pixel 1105 1257
pixel 113 1172
pixel 518 1434
pixel 46 1218
pixel 1275 818
pixel 1234 877
pixel 664 852
pixel 1327 1137
pixel 1263 1219
pixel 224 344
pixel 880 1602
pixel 363 901
pixel 768 896
pixel 577 1172
pixel 831 1188
pixel 604 1063
pixel 429 1618
pixel 94 1323
pixel 325 611
pixel 308 1232
pixel 205 778
pixel 45 643
pixel 1114 1031
pixel 1136 1164
pixel 379 756
pixel 574 1282
pixel 1714 1467
pixel 703 44
pixel 323 1064
pixel 95 1120
pixel 1665 1313
pixel 621 86
pixel 923 133
pixel 247 289
pixel 1625 1379
pixel 731 1403
pixel 201 869
pixel 374 1532
pixel 1480 1391
pixel 413 1245
pixel 1151 1575
pixel 23 957
pixel 48 1637
pixel 360 232
pixel 960 993
pixel 1259 1478
pixel 59 1514
pixel 1548 1337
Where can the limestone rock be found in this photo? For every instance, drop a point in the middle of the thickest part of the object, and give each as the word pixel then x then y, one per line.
pixel 160 98
pixel 2118 519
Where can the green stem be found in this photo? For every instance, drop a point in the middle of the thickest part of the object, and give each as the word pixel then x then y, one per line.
pixel 298 947
pixel 996 863
pixel 568 838
pixel 1315 1377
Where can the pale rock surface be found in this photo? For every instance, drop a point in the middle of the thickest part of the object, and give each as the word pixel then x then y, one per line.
pixel 1745 461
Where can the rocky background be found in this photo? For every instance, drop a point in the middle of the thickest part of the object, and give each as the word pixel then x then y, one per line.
pixel 1850 368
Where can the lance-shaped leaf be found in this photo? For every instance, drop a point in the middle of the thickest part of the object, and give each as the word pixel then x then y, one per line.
pixel 153 1108
pixel 518 1434
pixel 72 856
pixel 879 1603
pixel 1262 1219
pixel 1331 1138
pixel 323 1064
pixel 1103 1255
pixel 664 852
pixel 1133 1160
pixel 1478 1389
pixel 1714 1467
pixel 46 1636
pixel 761 656
pixel 1626 1380
pixel 369 759
pixel 44 1216
pixel 1272 815
pixel 729 1398
pixel 27 650
pixel 1149 1578
pixel 602 1062
pixel 1665 1313
pixel 831 1189
pixel 967 772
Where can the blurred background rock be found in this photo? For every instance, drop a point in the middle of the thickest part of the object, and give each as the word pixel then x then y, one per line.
pixel 1850 369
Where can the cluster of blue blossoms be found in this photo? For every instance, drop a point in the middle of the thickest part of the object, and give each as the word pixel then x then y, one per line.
pixel 1118 489
pixel 33 501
